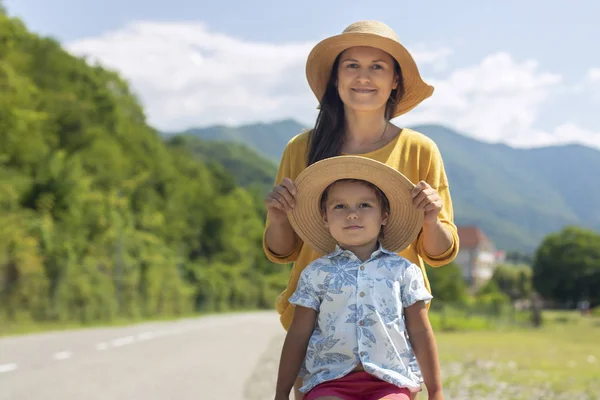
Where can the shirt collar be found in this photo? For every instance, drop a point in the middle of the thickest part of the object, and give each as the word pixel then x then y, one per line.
pixel 380 250
pixel 338 251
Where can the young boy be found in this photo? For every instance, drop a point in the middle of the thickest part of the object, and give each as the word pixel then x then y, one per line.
pixel 360 328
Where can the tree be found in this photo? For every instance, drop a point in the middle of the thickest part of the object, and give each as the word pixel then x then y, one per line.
pixel 447 283
pixel 491 299
pixel 514 280
pixel 566 267
pixel 519 257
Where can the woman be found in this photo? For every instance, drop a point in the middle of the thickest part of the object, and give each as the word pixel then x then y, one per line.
pixel 363 78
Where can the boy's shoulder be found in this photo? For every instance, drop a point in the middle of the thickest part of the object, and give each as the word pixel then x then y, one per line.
pixel 393 261
pixel 326 261
pixel 394 257
pixel 321 262
pixel 316 270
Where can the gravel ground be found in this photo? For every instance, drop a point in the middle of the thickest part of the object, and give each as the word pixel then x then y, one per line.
pixel 261 384
pixel 462 381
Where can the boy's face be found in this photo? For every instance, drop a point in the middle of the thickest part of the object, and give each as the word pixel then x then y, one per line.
pixel 353 214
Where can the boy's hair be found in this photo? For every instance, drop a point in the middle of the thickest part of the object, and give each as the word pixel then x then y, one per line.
pixel 381 197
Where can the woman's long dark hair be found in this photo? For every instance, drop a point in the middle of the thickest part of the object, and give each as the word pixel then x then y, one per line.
pixel 327 137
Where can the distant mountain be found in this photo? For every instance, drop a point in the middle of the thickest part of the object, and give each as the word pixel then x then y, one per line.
pixel 268 139
pixel 517 196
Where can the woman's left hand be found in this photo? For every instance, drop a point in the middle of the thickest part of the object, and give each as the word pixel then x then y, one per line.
pixel 427 198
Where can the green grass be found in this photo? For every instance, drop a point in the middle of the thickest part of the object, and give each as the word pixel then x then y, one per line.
pixel 469 318
pixel 559 360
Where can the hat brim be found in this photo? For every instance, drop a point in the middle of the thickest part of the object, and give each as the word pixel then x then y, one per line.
pixel 404 222
pixel 322 57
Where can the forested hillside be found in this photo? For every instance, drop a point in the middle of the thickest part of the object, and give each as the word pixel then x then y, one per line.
pixel 99 217
pixel 250 169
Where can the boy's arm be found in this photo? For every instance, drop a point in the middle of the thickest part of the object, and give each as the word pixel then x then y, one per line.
pixel 294 350
pixel 423 343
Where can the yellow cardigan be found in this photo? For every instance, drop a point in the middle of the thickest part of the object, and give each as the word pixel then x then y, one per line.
pixel 414 155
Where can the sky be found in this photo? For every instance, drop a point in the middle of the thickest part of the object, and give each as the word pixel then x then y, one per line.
pixel 524 73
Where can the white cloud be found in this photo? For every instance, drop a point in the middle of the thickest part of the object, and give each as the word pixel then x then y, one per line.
pixel 187 75
pixel 499 100
pixel 493 100
pixel 594 75
pixel 438 57
pixel 571 133
pixel 563 134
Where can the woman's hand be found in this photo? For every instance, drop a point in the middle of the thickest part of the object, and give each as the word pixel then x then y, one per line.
pixel 427 198
pixel 281 200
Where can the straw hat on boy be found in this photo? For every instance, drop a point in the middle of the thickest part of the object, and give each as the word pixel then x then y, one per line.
pixel 404 221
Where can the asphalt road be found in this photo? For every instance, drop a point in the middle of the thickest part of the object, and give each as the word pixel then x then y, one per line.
pixel 213 357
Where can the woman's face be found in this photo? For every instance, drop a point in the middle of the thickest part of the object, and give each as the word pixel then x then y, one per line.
pixel 366 77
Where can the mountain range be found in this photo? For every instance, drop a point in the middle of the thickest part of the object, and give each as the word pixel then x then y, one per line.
pixel 516 196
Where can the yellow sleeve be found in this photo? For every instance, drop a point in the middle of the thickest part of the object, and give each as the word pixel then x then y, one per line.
pixel 285 171
pixel 436 177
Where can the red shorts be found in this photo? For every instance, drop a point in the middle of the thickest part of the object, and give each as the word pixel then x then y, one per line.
pixel 360 386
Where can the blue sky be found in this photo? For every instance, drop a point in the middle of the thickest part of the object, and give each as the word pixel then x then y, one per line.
pixel 525 73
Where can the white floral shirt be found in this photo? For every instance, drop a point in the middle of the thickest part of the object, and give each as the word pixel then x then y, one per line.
pixel 360 306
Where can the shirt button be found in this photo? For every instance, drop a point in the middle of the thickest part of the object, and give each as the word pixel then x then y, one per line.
pixel 362 354
pixel 362 294
pixel 362 323
pixel 362 267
